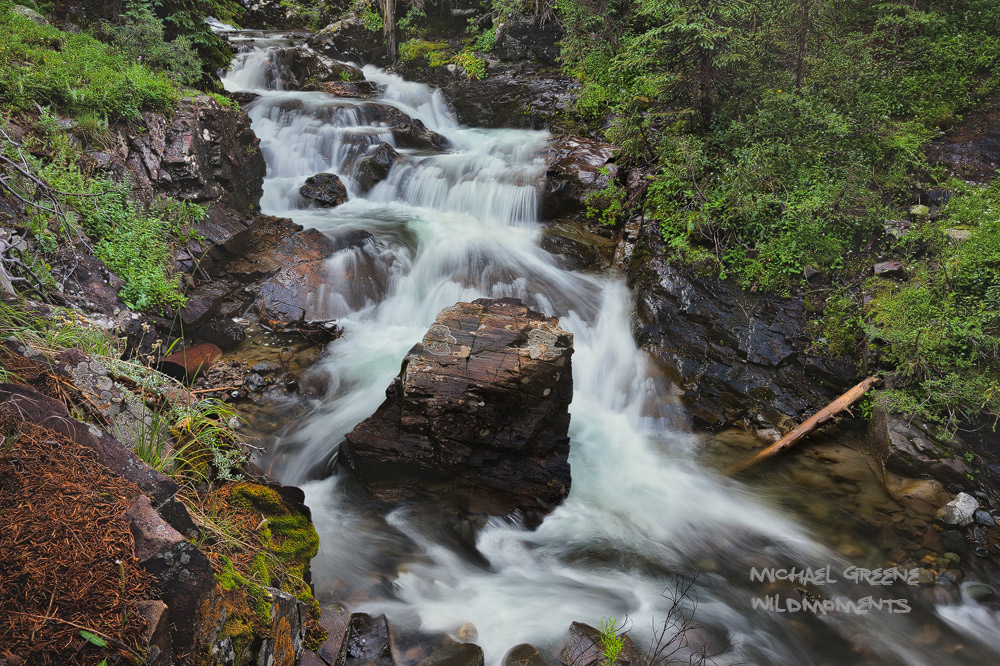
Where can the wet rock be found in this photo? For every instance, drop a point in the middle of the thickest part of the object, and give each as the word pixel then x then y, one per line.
pixel 350 89
pixel 325 189
pixel 979 592
pixel 204 152
pixel 369 642
pixel 984 518
pixel 348 39
pixel 337 623
pixel 226 334
pixel 479 412
pixel 462 654
pixel 188 363
pixel 971 149
pixel 902 448
pixel 375 167
pixel 575 254
pixel 584 646
pixel 298 68
pixel 406 131
pixel 734 355
pixel 889 269
pixel 576 170
pixel 524 654
pixel 960 511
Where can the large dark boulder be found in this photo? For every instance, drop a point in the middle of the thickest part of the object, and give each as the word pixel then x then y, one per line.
pixel 325 189
pixel 736 356
pixel 204 152
pixel 479 412
pixel 348 39
pixel 408 132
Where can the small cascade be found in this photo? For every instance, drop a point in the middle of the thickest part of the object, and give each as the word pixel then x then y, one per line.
pixel 459 224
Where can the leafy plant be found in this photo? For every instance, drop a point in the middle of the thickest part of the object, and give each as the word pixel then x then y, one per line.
pixel 473 66
pixel 612 641
pixel 371 17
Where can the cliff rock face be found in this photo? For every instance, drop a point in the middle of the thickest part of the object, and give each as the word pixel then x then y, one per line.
pixel 736 356
pixel 479 411
pixel 205 153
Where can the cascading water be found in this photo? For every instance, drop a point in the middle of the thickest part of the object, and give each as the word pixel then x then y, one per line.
pixel 459 225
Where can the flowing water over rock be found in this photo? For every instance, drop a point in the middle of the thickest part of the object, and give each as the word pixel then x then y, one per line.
pixel 461 224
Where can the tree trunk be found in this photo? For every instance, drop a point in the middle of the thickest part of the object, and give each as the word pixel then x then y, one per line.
pixel 803 32
pixel 389 27
pixel 807 426
pixel 705 86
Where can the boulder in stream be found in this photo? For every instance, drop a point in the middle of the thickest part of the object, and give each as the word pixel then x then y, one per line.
pixel 325 189
pixel 479 412
pixel 375 167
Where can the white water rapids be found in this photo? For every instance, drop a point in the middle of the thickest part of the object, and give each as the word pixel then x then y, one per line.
pixel 463 224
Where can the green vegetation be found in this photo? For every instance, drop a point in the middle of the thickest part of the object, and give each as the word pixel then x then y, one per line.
pixel 74 73
pixel 473 66
pixel 371 16
pixel 612 641
pixel 778 134
pixel 941 328
pixel 434 52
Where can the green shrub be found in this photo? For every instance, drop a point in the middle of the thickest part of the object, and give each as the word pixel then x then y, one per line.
pixel 372 17
pixel 140 38
pixel 473 66
pixel 74 73
pixel 414 49
pixel 941 329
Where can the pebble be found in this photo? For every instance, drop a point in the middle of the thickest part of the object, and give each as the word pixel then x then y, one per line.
pixel 984 518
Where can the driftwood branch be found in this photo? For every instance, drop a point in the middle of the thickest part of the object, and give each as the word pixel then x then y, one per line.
pixel 819 418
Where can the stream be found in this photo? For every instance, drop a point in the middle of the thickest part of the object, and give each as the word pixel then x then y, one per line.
pixel 646 511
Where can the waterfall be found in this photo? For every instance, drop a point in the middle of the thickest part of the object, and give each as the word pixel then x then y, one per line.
pixel 463 224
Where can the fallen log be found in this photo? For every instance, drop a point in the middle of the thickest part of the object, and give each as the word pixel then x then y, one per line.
pixel 807 426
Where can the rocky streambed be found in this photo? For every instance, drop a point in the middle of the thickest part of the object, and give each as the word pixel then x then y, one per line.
pixel 451 214
pixel 392 298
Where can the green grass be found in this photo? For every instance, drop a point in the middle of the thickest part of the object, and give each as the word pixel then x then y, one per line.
pixel 74 73
pixel 939 332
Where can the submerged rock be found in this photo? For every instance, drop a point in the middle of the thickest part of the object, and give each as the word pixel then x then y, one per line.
pixel 478 412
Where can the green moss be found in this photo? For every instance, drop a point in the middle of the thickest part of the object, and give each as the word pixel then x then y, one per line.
pixel 257 597
pixel 415 49
pixel 288 536
pixel 256 498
